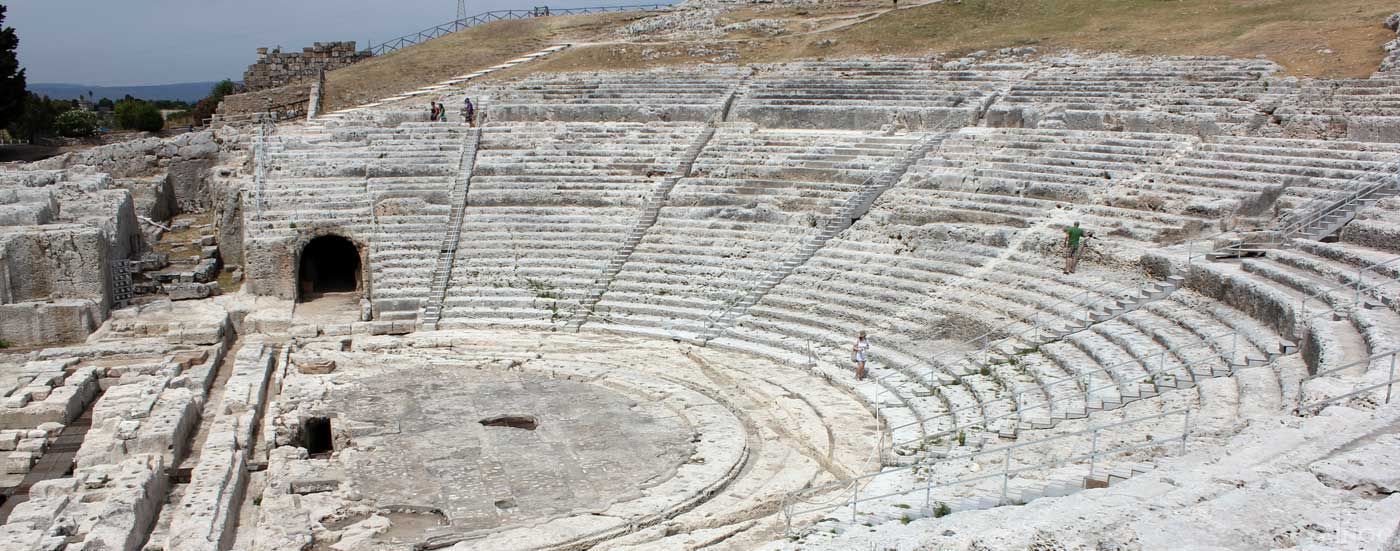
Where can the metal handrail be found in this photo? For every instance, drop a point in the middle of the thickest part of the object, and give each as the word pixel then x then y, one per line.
pixel 1018 411
pixel 495 15
pixel 1319 208
pixel 1389 385
pixel 1006 451
pixel 1302 217
pixel 985 338
pixel 848 206
pixel 1358 286
pixel 1365 361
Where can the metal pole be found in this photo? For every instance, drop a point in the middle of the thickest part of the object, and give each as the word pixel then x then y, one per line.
pixel 1005 475
pixel 928 494
pixel 1093 451
pixel 1234 341
pixel 1391 378
pixel 787 516
pixel 855 498
pixel 1185 429
pixel 1356 297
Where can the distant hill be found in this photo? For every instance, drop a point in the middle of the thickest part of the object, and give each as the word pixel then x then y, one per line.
pixel 184 91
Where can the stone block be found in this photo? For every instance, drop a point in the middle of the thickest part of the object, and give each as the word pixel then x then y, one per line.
pixel 18 400
pixel 304 487
pixel 9 439
pixel 312 364
pixel 186 291
pixel 305 331
pixel 37 392
pixel 18 462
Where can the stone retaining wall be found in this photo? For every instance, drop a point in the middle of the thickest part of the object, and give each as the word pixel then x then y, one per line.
pixel 275 68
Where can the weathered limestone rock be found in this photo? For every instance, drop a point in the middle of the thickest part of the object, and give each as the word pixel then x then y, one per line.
pixel 47 323
pixel 186 291
pixel 312 364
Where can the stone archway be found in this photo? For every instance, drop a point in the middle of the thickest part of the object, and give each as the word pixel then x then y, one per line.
pixel 328 264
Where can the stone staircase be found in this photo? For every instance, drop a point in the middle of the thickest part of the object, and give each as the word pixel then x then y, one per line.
pixel 447 253
pixel 650 210
pixel 855 207
pixel 1323 219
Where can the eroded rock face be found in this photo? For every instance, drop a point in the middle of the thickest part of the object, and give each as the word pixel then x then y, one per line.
pixel 1370 470
pixel 312 364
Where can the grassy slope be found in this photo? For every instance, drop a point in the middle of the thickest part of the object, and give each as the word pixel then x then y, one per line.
pixel 1320 38
pixel 1295 33
pixel 456 54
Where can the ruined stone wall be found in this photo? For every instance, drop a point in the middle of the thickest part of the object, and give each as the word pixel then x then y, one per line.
pixel 185 159
pixel 257 102
pixel 275 68
pixel 74 255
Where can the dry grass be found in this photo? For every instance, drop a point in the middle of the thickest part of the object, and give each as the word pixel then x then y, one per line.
pixel 1296 33
pixel 1321 38
pixel 456 54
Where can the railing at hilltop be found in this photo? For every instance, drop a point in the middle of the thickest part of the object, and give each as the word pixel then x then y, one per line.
pixel 497 15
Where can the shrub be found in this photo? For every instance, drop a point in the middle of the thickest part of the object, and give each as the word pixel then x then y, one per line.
pixel 4 344
pixel 962 438
pixel 942 510
pixel 138 115
pixel 76 124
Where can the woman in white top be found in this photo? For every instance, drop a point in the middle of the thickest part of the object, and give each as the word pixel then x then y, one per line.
pixel 858 353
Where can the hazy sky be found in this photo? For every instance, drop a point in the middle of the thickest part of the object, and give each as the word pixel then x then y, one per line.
pixel 125 42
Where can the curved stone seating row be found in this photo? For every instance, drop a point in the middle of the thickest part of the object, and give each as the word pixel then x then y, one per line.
pixel 1100 175
pixel 862 280
pixel 1354 109
pixel 1308 292
pixel 1108 92
pixel 1376 226
pixel 547 205
pixel 1147 187
pixel 869 94
pixel 1294 171
pixel 752 199
pixel 666 95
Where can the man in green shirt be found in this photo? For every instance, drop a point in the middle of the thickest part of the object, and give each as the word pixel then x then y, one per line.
pixel 1073 246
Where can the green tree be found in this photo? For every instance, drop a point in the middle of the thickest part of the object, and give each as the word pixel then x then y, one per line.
pixel 225 87
pixel 134 114
pixel 12 86
pixel 76 124
pixel 106 102
pixel 206 107
pixel 36 118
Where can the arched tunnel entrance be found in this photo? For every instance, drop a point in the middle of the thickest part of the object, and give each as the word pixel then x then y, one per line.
pixel 329 264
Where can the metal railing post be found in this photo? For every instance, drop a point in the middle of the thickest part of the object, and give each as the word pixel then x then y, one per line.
pixel 1093 451
pixel 1234 342
pixel 787 515
pixel 928 494
pixel 1391 378
pixel 855 498
pixel 1005 475
pixel 1185 429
